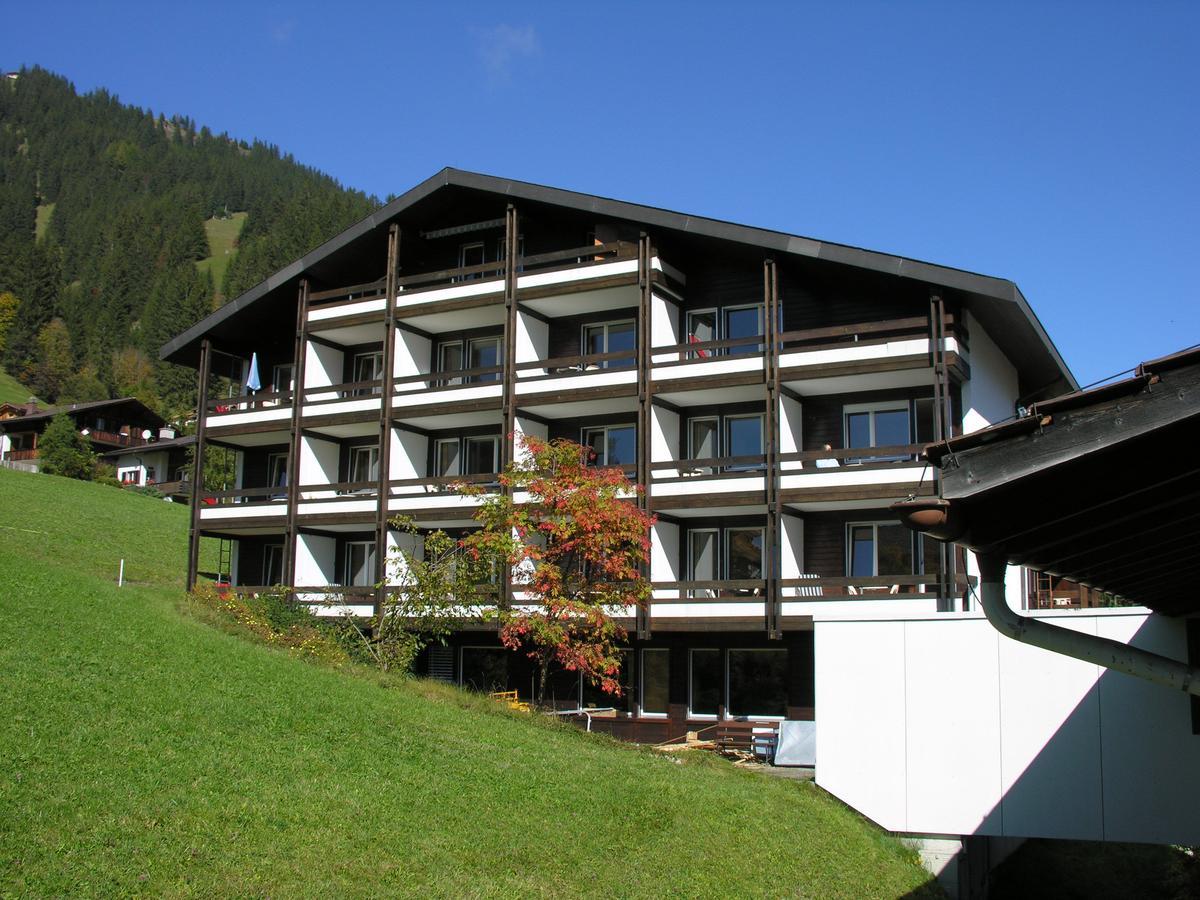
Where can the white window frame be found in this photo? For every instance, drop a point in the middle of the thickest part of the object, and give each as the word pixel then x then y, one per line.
pixel 354 453
pixel 377 367
pixel 874 524
pixel 762 532
pixel 747 349
pixel 463 250
pixel 469 345
pixel 437 457
pixel 849 409
pixel 691 561
pixel 585 431
pixel 726 442
pixel 707 717
pixel 282 460
pixel 494 440
pixel 687 324
pixel 440 366
pixel 347 562
pixel 607 363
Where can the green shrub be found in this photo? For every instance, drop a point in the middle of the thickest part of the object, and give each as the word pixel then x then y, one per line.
pixel 62 450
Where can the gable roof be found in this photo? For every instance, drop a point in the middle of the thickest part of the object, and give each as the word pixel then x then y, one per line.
pixel 136 409
pixel 1012 311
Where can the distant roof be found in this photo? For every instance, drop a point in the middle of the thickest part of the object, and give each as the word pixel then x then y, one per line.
pixel 167 444
pixel 1013 319
pixel 143 414
pixel 1100 486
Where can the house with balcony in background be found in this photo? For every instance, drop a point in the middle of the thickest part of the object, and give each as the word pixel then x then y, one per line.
pixel 124 432
pixel 771 392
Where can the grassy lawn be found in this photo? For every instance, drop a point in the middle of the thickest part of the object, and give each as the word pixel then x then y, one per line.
pixel 221 236
pixel 44 212
pixel 146 752
pixel 11 390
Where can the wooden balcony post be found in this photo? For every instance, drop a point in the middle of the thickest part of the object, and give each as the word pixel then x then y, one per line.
pixel 772 551
pixel 644 394
pixel 193 562
pixel 293 479
pixel 385 418
pixel 509 384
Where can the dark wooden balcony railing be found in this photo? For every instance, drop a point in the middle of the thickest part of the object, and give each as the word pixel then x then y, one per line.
pixel 19 455
pixel 587 363
pixel 866 333
pixel 851 457
pixel 814 588
pixel 589 254
pixel 248 402
pixel 714 467
pixel 708 351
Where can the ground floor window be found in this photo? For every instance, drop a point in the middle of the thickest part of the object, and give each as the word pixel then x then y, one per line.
pixel 758 682
pixel 360 563
pixel 272 564
pixel 656 670
pixel 707 683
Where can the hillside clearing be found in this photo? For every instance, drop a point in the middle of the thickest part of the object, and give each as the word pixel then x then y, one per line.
pixel 44 212
pixel 149 753
pixel 222 235
pixel 11 390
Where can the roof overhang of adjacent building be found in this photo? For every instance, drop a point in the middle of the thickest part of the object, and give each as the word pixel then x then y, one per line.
pixel 996 302
pixel 1099 486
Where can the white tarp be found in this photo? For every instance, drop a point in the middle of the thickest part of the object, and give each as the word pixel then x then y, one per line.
pixel 797 744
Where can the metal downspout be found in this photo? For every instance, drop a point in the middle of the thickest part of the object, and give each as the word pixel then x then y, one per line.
pixel 1087 647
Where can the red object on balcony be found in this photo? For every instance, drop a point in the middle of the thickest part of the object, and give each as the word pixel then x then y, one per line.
pixel 692 339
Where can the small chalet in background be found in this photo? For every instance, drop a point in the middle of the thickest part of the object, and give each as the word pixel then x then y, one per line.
pixel 124 432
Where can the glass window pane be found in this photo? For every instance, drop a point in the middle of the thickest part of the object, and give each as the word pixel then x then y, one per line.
pixel 891 428
pixel 702 326
pixel 481 456
pixel 895 550
pixel 744 438
pixel 707 682
pixel 360 564
pixel 272 564
pixel 745 553
pixel 858 429
pixel 621 339
pixel 656 668
pixel 485 668
pixel 704 439
pixel 447 458
pixel 450 357
pixel 622 446
pixel 924 421
pixel 862 551
pixel 743 323
pixel 482 354
pixel 758 682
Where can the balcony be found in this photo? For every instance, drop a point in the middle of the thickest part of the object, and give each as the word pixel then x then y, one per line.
pixel 856 473
pixel 263 410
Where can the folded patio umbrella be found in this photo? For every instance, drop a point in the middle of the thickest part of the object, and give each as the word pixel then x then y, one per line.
pixel 252 380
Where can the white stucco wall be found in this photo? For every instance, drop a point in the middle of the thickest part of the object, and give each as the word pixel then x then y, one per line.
pixel 413 355
pixel 533 341
pixel 791 430
pixel 990 394
pixel 322 365
pixel 318 464
pixel 409 456
pixel 315 560
pixel 939 724
pixel 664 326
pixel 664 437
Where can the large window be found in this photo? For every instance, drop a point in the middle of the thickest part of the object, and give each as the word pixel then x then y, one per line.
pixel 758 682
pixel 732 554
pixel 593 695
pixel 368 367
pixel 472 254
pixel 364 464
pixel 360 564
pixel 611 445
pixel 878 548
pixel 476 353
pixel 466 456
pixel 741 436
pixel 611 337
pixel 282 378
pixel 882 425
pixel 707 683
pixel 728 323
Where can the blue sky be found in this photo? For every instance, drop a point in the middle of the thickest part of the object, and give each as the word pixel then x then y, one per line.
pixel 1054 144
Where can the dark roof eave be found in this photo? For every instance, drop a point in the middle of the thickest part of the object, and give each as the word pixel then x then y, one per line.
pixel 780 242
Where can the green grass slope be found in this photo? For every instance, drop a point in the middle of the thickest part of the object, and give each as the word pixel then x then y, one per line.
pixel 44 212
pixel 147 753
pixel 11 390
pixel 222 235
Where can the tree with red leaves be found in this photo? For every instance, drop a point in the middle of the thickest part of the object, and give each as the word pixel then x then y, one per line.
pixel 578 546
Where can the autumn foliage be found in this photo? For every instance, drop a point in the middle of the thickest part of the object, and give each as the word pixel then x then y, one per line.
pixel 578 546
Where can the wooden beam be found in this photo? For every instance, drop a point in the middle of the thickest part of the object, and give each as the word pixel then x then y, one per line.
pixel 509 388
pixel 385 417
pixel 772 547
pixel 293 493
pixel 198 464
pixel 644 398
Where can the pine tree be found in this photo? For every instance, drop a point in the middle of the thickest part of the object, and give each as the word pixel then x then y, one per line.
pixel 64 451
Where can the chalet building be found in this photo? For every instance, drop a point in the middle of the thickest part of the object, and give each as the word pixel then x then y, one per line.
pixel 771 392
pixel 124 432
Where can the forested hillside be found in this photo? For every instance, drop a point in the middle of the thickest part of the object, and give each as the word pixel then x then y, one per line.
pixel 103 240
